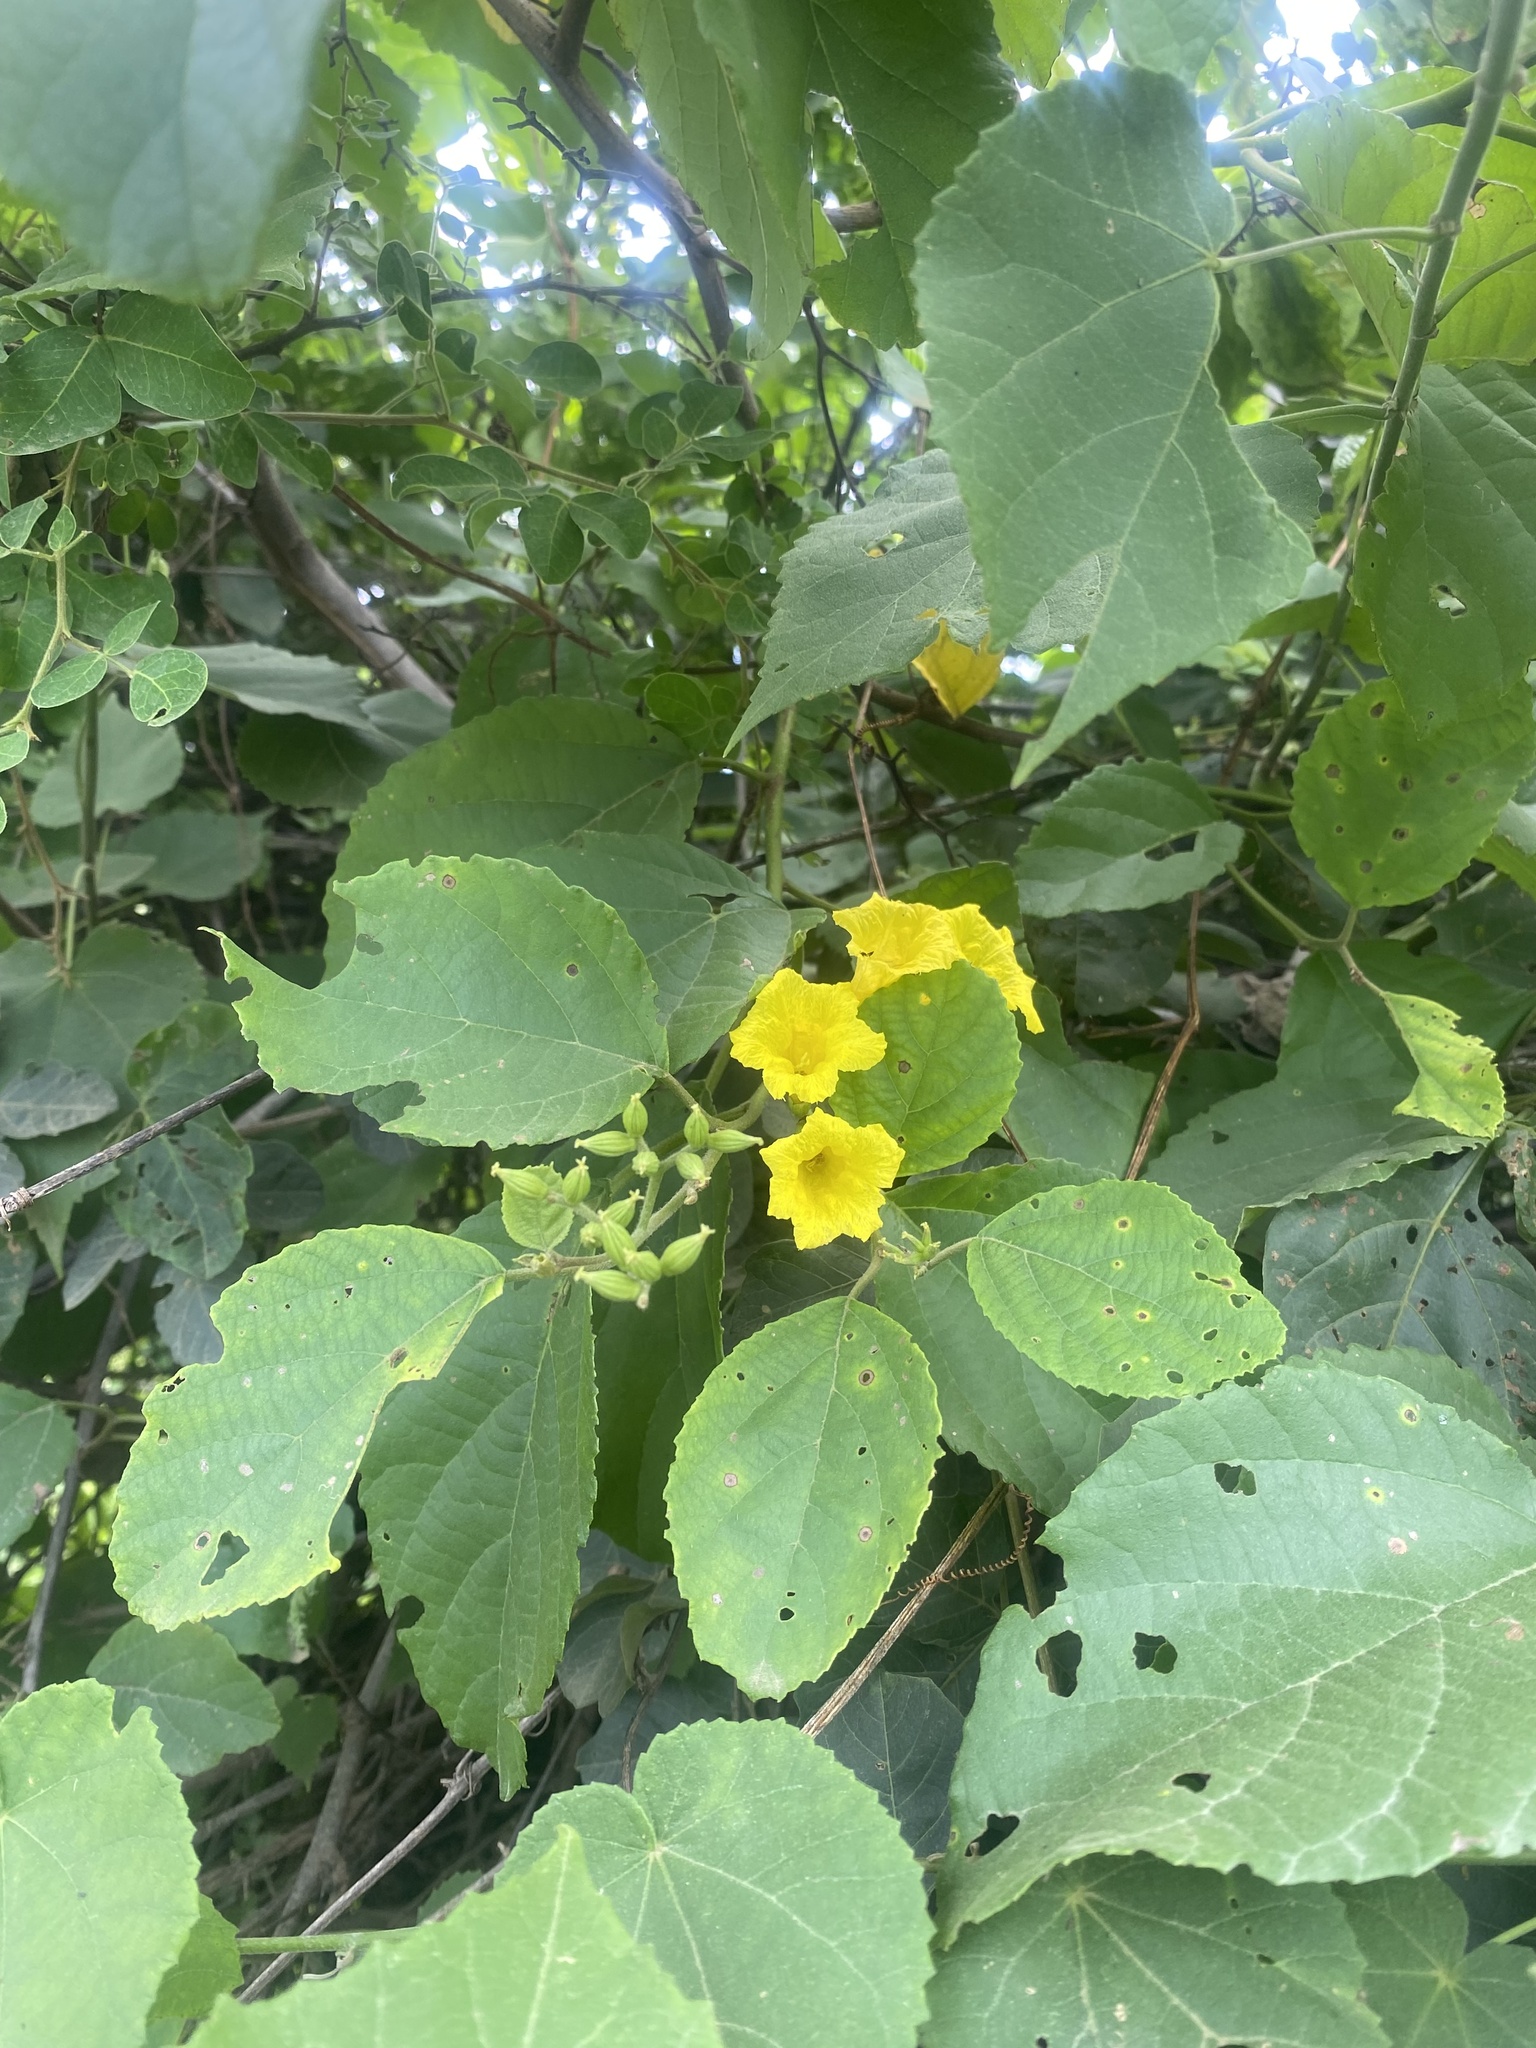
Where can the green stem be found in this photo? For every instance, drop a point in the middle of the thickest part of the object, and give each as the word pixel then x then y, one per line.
pixel 87 767
pixel 1260 901
pixel 316 1944
pixel 773 813
pixel 877 1259
pixel 1267 174
pixel 1268 255
pixel 1515 1933
pixel 1468 284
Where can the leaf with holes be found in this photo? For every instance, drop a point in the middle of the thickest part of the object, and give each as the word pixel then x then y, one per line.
pixel 1414 1262
pixel 478 1489
pixel 743 1846
pixel 203 1701
pixel 1458 1084
pixel 1300 1608
pixel 1120 1286
pixel 506 1005
pixel 800 1477
pixel 232 1486
pixel 167 682
pixel 1420 1976
pixel 182 1196
pixel 1389 812
pixel 1108 842
pixel 1115 1949
pixel 950 1068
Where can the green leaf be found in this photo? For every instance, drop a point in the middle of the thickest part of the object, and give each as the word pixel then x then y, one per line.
pixel 295 451
pixel 208 1964
pixel 165 684
pixel 543 1961
pixel 727 95
pixel 70 679
pixel 1107 843
pixel 1040 1433
pixel 900 1735
pixel 563 366
pixel 60 388
pixel 1078 233
pixel 1458 1084
pixel 98 1864
pixel 511 1008
pixel 1413 1262
pixel 1129 1949
pixel 551 538
pixel 183 1195
pixel 1342 1638
pixel 123 984
pixel 618 519
pixel 1447 560
pixel 478 1490
pixel 157 146
pixel 1031 33
pixel 310 1719
pixel 1120 1286
pixel 800 1477
pixel 137 765
pixel 1390 811
pixel 1170 35
pixel 170 359
pixel 742 1841
pixel 197 855
pixel 129 629
pixel 950 1067
pixel 203 1701
pixel 869 291
pixel 1288 313
pixel 47 1098
pixel 1420 1978
pixel 1068 1108
pixel 261 1448
pixel 35 1443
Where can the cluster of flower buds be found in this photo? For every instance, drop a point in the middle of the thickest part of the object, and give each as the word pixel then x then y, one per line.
pixel 538 1204
pixel 692 1164
pixel 634 1270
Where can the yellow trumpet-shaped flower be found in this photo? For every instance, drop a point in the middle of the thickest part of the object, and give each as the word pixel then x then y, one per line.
pixel 988 947
pixel 828 1179
pixel 888 940
pixel 803 1034
pixel 959 676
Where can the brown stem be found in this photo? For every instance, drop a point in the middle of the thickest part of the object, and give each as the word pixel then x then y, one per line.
pixel 1190 1026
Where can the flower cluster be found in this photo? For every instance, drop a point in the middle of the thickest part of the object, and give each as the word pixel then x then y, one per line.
pixel 827 1179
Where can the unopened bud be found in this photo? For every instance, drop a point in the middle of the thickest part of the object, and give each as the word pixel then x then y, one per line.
pixel 608 1144
pixel 683 1252
pixel 533 1183
pixel 696 1130
pixel 644 1266
pixel 615 1239
pixel 731 1141
pixel 577 1183
pixel 690 1166
pixel 646 1162
pixel 610 1285
pixel 621 1211
pixel 635 1118
pixel 591 1236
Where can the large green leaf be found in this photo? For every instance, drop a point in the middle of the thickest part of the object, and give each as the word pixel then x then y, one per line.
pixel 509 1007
pixel 35 1443
pixel 1420 1978
pixel 156 143
pixel 203 1701
pixel 950 1068
pixel 1458 1084
pixel 60 388
pixel 208 1964
pixel 800 1477
pixel 1328 1581
pixel 1086 1111
pixel 1389 810
pixel 900 1735
pixel 123 984
pixel 1115 1949
pixel 138 763
pixel 542 1961
pixel 765 1878
pixel 728 101
pixel 1078 234
pixel 98 1878
pixel 1108 843
pixel 1447 562
pixel 478 1489
pixel 1170 35
pixel 1413 1262
pixel 170 359
pixel 46 1099
pixel 1120 1286
pixel 997 1404
pixel 261 1448
pixel 183 1196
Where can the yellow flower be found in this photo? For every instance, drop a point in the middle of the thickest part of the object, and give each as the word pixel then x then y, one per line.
pixel 959 676
pixel 888 940
pixel 803 1034
pixel 827 1180
pixel 988 947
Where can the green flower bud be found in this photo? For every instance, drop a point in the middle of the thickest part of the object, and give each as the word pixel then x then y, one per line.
pixel 615 1239
pixel 534 1211
pixel 731 1141
pixel 690 1166
pixel 620 1212
pixel 533 1183
pixel 608 1144
pixel 635 1118
pixel 646 1162
pixel 644 1266
pixel 683 1252
pixel 610 1285
pixel 577 1183
pixel 591 1237
pixel 696 1130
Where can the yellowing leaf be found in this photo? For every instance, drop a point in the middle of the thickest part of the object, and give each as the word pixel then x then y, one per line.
pixel 959 676
pixel 1458 1084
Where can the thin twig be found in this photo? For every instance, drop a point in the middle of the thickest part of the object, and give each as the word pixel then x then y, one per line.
pixel 85 1431
pixel 830 1708
pixel 11 1206
pixel 1190 1026
pixel 858 793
